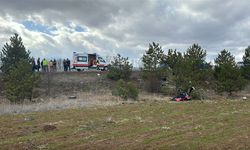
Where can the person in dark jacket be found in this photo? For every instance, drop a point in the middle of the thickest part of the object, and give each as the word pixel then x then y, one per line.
pixel 68 64
pixel 54 65
pixel 33 64
pixel 65 65
pixel 42 66
pixel 38 64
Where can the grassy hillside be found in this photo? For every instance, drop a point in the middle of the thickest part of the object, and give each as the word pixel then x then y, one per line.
pixel 68 83
pixel 151 124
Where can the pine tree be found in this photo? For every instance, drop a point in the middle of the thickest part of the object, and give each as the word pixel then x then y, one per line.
pixel 196 56
pixel 246 57
pixel 246 62
pixel 181 74
pixel 153 58
pixel 19 79
pixel 172 58
pixel 227 74
pixel 196 53
pixel 225 58
pixel 192 70
pixel 12 53
pixel 152 71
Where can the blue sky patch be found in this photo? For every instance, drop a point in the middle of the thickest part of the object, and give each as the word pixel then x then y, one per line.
pixel 79 29
pixel 32 26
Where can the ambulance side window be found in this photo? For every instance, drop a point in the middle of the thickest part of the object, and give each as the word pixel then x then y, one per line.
pixel 101 59
pixel 82 58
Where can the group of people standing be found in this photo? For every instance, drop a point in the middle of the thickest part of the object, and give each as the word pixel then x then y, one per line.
pixel 44 65
pixel 66 64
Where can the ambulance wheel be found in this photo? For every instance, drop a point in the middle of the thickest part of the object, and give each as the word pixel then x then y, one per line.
pixel 78 70
pixel 105 69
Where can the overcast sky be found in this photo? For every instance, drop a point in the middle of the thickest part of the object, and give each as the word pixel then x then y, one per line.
pixel 56 28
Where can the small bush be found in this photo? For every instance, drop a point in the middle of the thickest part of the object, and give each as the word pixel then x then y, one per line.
pixel 120 68
pixel 199 94
pixel 126 90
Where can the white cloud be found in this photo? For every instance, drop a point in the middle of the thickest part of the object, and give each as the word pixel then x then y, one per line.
pixel 126 27
pixel 63 41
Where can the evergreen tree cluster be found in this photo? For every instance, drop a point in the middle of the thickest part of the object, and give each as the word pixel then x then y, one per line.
pixel 191 69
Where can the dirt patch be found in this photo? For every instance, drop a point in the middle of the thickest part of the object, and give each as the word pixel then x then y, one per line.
pixel 47 128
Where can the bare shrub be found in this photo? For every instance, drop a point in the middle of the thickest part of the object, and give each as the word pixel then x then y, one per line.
pixel 125 90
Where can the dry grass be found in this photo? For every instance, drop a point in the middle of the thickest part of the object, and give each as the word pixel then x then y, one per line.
pixel 63 102
pixel 153 124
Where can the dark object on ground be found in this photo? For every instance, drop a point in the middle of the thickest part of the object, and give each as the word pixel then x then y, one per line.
pixel 184 96
pixel 72 97
pixel 47 128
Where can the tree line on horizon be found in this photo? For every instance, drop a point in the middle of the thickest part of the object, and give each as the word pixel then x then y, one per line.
pixel 180 69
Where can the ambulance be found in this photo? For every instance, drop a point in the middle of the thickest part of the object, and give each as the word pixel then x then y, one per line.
pixel 85 61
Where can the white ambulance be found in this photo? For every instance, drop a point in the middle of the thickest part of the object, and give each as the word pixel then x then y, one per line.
pixel 85 61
